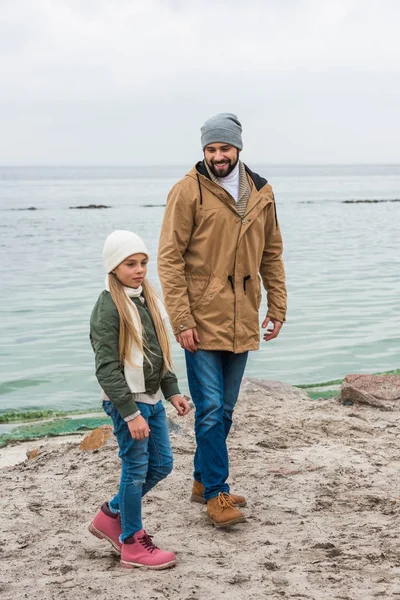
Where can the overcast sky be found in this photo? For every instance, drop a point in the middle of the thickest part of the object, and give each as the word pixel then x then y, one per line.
pixel 131 81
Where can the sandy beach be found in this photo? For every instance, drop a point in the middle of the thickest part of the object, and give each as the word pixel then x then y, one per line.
pixel 322 482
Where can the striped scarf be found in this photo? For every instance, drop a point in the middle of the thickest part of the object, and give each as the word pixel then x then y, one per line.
pixel 244 188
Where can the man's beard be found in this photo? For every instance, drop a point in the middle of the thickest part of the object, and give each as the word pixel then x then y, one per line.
pixel 223 172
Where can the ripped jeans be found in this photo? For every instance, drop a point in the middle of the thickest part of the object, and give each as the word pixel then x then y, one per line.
pixel 144 463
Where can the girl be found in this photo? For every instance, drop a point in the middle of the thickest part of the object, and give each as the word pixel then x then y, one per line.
pixel 133 366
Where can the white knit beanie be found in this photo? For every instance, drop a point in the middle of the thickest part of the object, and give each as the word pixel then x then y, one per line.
pixel 119 245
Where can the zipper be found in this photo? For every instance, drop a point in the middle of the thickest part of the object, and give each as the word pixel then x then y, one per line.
pixel 242 221
pixel 231 278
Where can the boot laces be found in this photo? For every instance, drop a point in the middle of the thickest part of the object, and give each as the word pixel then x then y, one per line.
pixel 224 500
pixel 147 542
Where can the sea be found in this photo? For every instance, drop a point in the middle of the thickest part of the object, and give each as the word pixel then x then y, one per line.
pixel 341 230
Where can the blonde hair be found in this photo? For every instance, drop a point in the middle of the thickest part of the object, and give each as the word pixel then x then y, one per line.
pixel 128 334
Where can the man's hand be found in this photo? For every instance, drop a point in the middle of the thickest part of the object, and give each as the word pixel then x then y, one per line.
pixel 188 339
pixel 181 405
pixel 274 332
pixel 139 428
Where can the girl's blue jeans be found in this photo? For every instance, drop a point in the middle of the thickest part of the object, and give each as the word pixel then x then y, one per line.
pixel 214 381
pixel 144 463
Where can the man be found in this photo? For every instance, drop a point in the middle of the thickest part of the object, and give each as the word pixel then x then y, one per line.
pixel 220 232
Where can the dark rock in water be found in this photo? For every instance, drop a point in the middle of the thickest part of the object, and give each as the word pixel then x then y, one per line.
pixel 382 391
pixel 90 206
pixel 29 208
pixel 370 201
pixel 152 205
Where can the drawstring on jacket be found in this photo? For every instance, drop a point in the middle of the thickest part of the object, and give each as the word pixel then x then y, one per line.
pixel 232 282
pixel 275 213
pixel 200 192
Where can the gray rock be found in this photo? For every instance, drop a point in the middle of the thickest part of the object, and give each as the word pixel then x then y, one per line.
pixel 273 389
pixel 382 391
pixel 90 206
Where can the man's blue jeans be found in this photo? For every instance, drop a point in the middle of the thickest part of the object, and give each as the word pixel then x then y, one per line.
pixel 214 381
pixel 144 463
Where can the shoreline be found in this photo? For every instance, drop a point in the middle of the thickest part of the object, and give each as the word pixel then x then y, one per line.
pixel 63 423
pixel 7 415
pixel 30 430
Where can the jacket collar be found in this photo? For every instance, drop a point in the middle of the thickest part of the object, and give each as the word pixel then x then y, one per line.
pixel 258 181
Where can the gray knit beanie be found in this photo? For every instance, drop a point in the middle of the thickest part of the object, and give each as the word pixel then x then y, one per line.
pixel 223 128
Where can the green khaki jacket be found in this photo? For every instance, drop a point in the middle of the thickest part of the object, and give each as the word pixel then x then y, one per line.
pixel 104 337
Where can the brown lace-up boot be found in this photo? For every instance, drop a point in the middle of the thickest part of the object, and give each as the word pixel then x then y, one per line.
pixel 222 513
pixel 198 491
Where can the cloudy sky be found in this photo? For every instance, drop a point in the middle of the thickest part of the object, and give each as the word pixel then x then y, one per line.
pixel 131 81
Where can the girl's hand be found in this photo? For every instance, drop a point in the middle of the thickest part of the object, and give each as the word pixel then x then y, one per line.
pixel 139 428
pixel 181 405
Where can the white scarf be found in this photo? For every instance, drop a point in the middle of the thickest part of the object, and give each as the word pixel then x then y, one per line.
pixel 134 375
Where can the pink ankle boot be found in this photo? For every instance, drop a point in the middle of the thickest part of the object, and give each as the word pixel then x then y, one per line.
pixel 107 526
pixel 139 551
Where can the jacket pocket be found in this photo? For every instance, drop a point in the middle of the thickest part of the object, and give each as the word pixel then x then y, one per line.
pixel 202 291
pixel 197 287
pixel 210 293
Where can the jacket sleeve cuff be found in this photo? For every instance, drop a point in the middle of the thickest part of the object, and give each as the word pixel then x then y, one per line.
pixel 133 416
pixel 169 389
pixel 186 322
pixel 170 398
pixel 277 315
pixel 127 408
